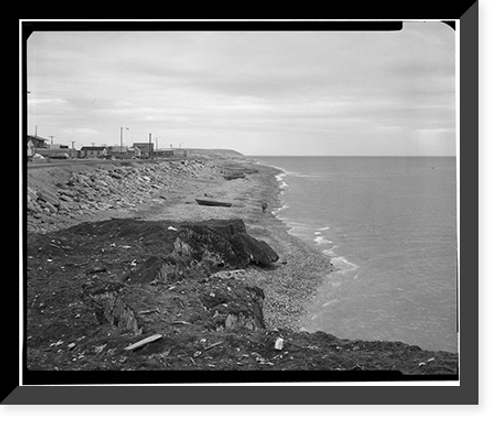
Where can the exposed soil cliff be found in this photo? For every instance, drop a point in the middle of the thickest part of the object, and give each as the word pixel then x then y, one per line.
pixel 95 288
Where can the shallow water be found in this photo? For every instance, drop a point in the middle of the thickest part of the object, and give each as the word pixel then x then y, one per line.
pixel 389 226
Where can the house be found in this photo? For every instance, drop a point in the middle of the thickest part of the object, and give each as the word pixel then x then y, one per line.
pixel 93 151
pixel 37 141
pixel 146 148
pixel 118 151
pixel 58 146
pixel 164 153
pixel 134 152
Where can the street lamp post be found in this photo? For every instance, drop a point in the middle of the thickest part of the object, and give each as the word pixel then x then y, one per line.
pixel 121 138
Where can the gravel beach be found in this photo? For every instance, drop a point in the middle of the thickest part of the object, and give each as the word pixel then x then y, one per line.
pixel 61 196
pixel 126 271
pixel 300 270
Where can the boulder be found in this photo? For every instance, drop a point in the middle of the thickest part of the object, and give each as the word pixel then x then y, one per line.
pixel 229 240
pixel 48 197
pixel 240 308
pixel 32 194
pixel 207 246
pixel 52 209
pixel 109 306
pixel 258 252
pixel 148 271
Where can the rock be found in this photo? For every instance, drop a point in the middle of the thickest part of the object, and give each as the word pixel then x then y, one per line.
pixel 258 252
pixel 228 238
pixel 240 308
pixel 278 345
pixel 65 192
pixel 65 197
pixel 148 271
pixel 32 193
pixel 45 218
pixel 51 208
pixel 33 207
pixel 48 196
pixel 109 306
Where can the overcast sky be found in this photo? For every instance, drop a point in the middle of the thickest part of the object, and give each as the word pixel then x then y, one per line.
pixel 261 93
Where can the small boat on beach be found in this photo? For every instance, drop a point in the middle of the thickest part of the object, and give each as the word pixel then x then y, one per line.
pixel 235 175
pixel 209 202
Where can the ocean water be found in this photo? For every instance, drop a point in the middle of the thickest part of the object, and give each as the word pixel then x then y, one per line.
pixel 389 226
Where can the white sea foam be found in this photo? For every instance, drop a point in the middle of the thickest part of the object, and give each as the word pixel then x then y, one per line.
pixel 279 209
pixel 320 240
pixel 333 191
pixel 342 265
pixel 280 178
pixel 314 176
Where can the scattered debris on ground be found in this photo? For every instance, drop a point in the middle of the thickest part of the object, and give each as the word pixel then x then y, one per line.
pixel 127 294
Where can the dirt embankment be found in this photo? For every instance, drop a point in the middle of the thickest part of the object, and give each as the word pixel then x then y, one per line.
pixel 218 292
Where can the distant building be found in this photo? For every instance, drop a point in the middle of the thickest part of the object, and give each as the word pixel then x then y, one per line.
pixel 164 153
pixel 145 148
pixel 58 146
pixel 93 152
pixel 134 152
pixel 37 141
pixel 118 151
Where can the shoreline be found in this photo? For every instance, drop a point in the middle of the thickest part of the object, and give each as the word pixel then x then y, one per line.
pixel 102 280
pixel 300 270
pixel 306 267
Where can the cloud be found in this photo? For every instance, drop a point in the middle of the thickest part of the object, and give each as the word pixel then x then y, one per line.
pixel 258 84
pixel 47 101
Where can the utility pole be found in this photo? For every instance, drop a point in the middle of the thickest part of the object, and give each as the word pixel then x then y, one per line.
pixel 72 149
pixel 150 145
pixel 121 138
pixel 51 138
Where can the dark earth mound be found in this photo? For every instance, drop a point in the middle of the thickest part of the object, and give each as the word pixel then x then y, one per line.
pixel 95 288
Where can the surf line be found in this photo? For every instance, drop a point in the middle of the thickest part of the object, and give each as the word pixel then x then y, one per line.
pixel 342 265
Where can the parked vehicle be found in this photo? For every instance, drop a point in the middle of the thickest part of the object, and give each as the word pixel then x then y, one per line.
pixel 60 156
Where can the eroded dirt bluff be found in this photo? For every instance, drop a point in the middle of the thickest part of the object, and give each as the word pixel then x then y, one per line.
pixel 95 288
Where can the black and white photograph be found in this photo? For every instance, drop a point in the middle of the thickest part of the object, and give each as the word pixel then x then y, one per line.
pixel 243 201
